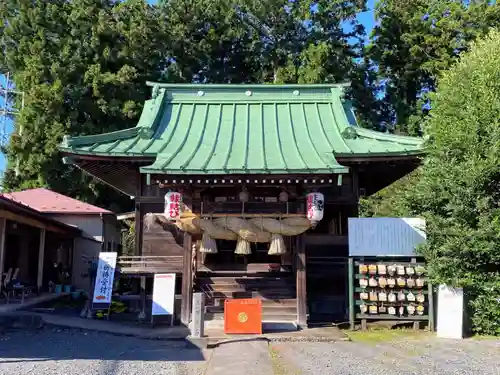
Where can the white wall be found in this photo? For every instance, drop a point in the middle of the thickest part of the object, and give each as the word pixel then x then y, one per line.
pixel 90 225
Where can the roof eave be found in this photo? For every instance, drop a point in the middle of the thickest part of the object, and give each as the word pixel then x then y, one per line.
pixel 144 129
pixel 336 170
pixel 35 214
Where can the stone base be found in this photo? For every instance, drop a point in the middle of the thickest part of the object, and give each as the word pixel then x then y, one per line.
pixel 267 326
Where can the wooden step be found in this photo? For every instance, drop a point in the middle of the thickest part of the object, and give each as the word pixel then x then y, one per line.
pixel 244 288
pixel 245 280
pixel 266 303
pixel 289 317
pixel 279 310
pixel 270 295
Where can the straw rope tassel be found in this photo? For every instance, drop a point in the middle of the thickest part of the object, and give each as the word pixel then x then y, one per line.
pixel 277 246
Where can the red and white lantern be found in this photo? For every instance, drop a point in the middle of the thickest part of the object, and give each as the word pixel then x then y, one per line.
pixel 315 207
pixel 173 204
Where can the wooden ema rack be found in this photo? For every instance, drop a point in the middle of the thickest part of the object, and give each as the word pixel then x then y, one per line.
pixel 356 291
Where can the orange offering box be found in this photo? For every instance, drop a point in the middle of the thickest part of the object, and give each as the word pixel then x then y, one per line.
pixel 243 316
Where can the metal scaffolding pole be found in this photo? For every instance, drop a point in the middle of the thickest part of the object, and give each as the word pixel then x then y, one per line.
pixel 11 103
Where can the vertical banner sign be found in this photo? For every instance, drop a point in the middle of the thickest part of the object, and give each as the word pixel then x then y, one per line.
pixel 163 294
pixel 103 289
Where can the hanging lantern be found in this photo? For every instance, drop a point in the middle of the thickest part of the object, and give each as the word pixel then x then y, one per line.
pixel 173 204
pixel 315 207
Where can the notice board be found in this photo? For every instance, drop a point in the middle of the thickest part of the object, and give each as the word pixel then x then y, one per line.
pixel 163 294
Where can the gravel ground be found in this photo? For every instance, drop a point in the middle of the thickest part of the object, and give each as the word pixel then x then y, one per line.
pixel 423 356
pixel 56 351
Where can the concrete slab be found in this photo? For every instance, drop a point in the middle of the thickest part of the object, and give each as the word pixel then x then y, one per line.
pixel 159 333
pixel 213 337
pixel 249 357
pixel 320 334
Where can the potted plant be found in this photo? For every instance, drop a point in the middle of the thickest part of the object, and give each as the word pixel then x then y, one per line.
pixel 59 276
pixel 67 282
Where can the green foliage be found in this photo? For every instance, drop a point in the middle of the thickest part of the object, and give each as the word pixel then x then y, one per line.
pixel 458 189
pixel 128 239
pixel 82 65
pixel 413 42
pixel 275 41
pixel 387 202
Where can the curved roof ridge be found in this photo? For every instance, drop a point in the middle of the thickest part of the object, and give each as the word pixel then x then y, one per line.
pixel 247 85
pixel 373 134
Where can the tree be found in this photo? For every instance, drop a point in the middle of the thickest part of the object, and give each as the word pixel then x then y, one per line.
pixel 413 42
pixel 458 189
pixel 82 65
pixel 258 41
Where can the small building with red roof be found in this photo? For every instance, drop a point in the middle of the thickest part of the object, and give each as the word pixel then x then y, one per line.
pixel 98 230
pixel 50 202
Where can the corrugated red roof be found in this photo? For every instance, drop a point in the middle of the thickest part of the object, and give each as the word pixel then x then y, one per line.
pixel 48 201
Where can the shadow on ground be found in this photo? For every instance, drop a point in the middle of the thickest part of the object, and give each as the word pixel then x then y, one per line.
pixel 54 344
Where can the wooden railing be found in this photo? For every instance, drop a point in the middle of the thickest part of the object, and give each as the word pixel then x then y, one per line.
pixel 150 264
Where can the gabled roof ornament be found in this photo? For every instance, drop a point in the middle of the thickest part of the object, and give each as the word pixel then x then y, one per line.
pixel 156 91
pixel 350 133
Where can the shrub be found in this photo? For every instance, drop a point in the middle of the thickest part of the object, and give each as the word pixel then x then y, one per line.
pixel 458 189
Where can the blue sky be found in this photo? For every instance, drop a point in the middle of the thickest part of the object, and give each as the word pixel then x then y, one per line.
pixel 366 18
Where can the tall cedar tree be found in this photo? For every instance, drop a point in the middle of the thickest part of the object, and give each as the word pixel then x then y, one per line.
pixel 413 42
pixel 272 41
pixel 82 65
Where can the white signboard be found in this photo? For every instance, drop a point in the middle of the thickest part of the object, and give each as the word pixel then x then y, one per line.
pixel 103 288
pixel 163 294
pixel 385 236
pixel 450 314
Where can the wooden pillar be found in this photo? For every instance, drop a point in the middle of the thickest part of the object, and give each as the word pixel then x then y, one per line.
pixel 300 266
pixel 187 280
pixel 350 288
pixel 355 190
pixel 139 217
pixel 3 225
pixel 41 255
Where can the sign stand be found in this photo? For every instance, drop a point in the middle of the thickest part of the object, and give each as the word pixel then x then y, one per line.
pixel 163 297
pixel 103 287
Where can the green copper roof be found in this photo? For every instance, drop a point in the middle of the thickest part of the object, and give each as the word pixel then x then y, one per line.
pixel 244 129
